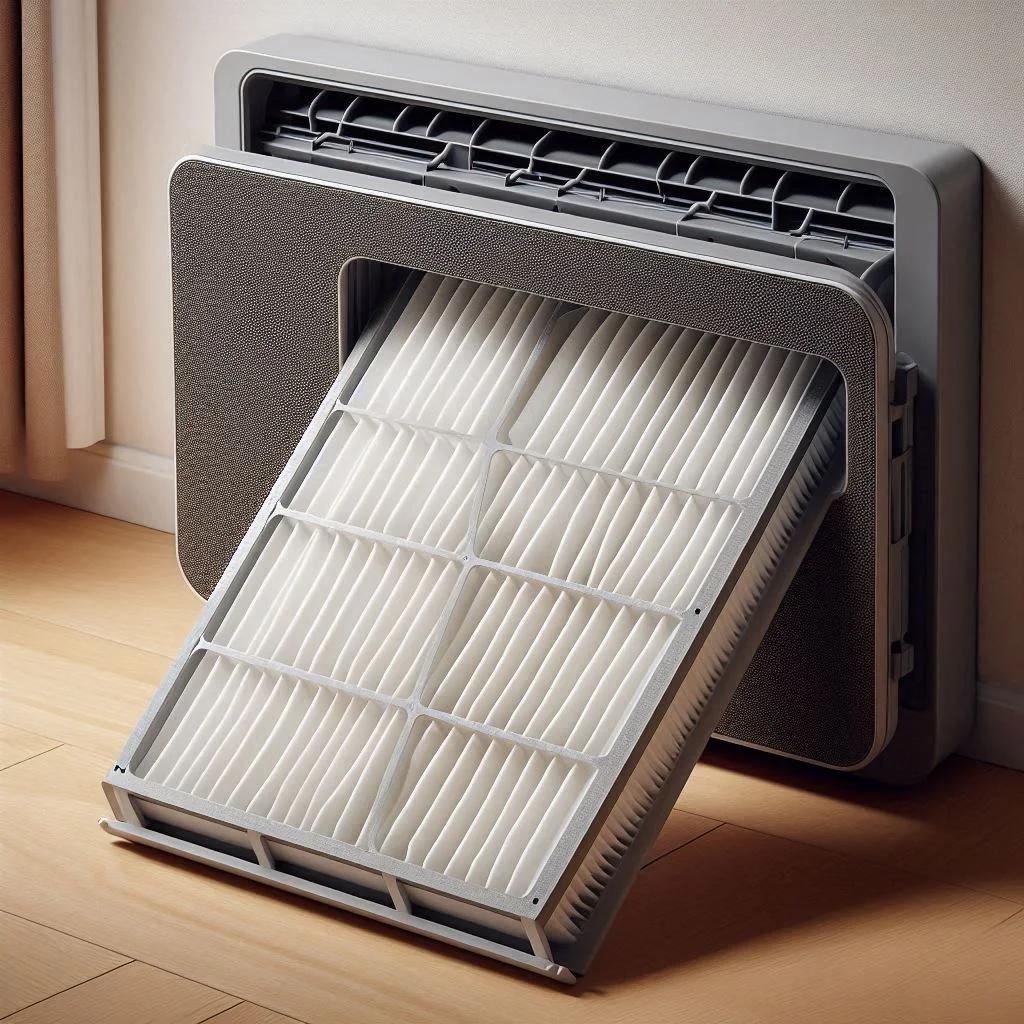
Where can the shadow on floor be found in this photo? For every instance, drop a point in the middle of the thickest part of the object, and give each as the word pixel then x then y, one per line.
pixel 733 885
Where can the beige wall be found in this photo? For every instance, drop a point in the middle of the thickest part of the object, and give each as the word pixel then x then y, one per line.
pixel 944 70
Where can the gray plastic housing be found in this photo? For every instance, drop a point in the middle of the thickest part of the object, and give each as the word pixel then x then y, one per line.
pixel 935 316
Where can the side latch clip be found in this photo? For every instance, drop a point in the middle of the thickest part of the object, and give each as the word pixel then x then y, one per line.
pixel 901 432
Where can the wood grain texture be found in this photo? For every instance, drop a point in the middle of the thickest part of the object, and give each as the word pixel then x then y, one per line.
pixel 770 929
pixel 94 574
pixel 133 994
pixel 680 828
pixel 250 1013
pixel 73 687
pixel 986 986
pixel 37 962
pixel 740 926
pixel 16 744
pixel 964 824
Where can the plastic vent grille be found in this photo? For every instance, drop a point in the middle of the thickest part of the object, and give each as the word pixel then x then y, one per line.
pixel 477 582
pixel 806 213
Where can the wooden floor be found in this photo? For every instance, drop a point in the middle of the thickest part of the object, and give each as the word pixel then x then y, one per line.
pixel 774 894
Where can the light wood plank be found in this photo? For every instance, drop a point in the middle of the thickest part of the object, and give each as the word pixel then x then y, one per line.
pixel 250 1013
pixel 16 744
pixel 133 994
pixel 37 962
pixel 734 926
pixel 740 926
pixel 731 926
pixel 963 824
pixel 680 828
pixel 94 574
pixel 984 987
pixel 73 687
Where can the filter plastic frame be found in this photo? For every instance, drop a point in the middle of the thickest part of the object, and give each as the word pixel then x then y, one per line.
pixel 138 801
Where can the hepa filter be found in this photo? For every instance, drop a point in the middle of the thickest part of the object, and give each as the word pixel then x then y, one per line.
pixel 463 661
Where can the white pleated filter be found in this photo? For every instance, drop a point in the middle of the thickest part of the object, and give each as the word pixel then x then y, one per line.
pixel 663 404
pixel 556 666
pixel 693 694
pixel 280 747
pixel 480 808
pixel 395 480
pixel 454 355
pixel 348 609
pixel 606 532
pixel 496 540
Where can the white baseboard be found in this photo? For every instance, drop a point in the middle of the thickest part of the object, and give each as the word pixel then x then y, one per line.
pixel 111 480
pixel 998 727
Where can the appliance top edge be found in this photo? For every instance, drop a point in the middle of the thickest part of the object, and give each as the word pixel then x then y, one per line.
pixel 890 157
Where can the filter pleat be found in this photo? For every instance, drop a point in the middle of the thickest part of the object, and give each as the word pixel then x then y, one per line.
pixel 454 366
pixel 609 533
pixel 395 480
pixel 349 595
pixel 656 351
pixel 466 336
pixel 345 715
pixel 496 376
pixel 281 782
pixel 618 362
pixel 277 746
pixel 749 468
pixel 466 798
pixel 462 821
pixel 657 402
pixel 191 718
pixel 552 402
pixel 652 420
pixel 387 390
pixel 345 467
pixel 523 657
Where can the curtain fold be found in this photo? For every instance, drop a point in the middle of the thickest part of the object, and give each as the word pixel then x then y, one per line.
pixel 50 324
pixel 11 362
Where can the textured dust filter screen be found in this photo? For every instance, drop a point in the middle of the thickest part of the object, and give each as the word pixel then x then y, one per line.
pixel 462 648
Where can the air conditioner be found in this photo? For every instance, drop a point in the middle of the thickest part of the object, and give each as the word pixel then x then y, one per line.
pixel 528 434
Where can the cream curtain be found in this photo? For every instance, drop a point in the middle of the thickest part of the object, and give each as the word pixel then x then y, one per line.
pixel 51 330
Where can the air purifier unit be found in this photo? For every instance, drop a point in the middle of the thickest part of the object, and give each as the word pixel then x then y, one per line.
pixel 528 434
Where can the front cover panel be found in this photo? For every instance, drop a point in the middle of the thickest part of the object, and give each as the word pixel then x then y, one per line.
pixel 256 265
